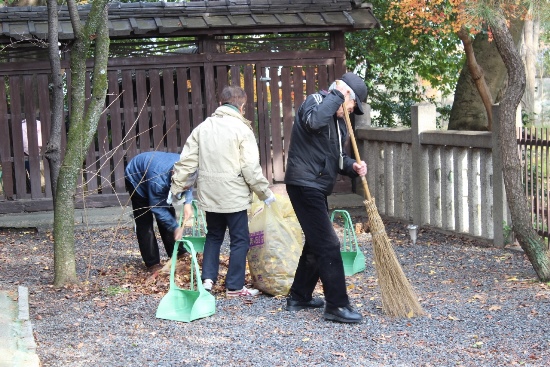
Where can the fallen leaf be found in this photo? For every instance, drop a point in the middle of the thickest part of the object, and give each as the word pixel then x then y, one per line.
pixel 339 354
pixel 495 308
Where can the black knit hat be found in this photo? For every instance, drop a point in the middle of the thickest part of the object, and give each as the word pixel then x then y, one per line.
pixel 358 86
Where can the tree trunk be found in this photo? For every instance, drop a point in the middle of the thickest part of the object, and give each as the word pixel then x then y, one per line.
pixel 468 111
pixel 53 146
pixel 529 240
pixel 64 256
pixel 83 124
pixel 529 52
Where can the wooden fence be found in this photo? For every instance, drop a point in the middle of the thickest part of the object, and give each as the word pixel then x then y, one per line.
pixel 447 180
pixel 153 103
pixel 452 180
pixel 534 150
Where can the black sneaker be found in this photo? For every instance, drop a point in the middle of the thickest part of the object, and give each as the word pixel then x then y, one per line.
pixel 294 305
pixel 342 314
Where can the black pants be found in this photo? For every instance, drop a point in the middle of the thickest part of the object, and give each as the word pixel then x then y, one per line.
pixel 321 258
pixel 143 217
pixel 216 225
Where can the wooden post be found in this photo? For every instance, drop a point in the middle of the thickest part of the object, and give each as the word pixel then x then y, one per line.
pixel 499 192
pixel 338 42
pixel 423 118
pixel 208 46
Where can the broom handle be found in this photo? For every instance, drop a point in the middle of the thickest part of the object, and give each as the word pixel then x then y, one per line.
pixel 355 150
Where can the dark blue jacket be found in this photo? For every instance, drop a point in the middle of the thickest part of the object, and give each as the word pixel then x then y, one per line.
pixel 314 151
pixel 150 174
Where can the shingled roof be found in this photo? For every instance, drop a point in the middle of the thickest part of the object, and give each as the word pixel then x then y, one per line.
pixel 166 19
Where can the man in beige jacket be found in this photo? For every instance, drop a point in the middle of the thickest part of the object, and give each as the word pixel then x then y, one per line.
pixel 224 153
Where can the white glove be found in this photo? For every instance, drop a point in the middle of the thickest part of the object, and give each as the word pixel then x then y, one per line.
pixel 269 200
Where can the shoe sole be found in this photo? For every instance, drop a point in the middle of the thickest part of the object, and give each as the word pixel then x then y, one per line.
pixel 239 295
pixel 298 308
pixel 154 269
pixel 331 317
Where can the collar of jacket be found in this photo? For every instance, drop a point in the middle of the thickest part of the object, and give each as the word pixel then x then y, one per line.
pixel 228 111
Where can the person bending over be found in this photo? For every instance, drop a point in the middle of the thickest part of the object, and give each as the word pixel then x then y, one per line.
pixel 148 183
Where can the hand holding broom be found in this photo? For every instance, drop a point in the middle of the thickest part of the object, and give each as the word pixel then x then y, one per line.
pixel 398 297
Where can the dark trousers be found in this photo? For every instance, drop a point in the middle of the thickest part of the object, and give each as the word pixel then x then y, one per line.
pixel 216 224
pixel 321 258
pixel 145 231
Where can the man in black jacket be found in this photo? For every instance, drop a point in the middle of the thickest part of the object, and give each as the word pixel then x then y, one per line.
pixel 315 159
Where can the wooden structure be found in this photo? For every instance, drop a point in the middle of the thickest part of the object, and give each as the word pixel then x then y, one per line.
pixel 168 62
pixel 534 152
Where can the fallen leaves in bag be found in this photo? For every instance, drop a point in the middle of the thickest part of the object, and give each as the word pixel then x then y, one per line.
pixel 275 246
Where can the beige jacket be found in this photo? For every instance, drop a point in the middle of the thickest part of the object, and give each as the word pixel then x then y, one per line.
pixel 223 149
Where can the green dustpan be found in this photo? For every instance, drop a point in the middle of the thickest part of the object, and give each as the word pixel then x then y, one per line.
pixel 353 259
pixel 198 242
pixel 186 304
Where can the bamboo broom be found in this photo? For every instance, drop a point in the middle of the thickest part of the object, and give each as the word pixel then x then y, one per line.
pixel 398 297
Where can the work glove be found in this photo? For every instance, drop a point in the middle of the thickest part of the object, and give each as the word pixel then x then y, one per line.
pixel 179 198
pixel 269 200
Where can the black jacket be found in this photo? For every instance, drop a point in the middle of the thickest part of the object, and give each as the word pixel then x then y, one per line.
pixel 314 152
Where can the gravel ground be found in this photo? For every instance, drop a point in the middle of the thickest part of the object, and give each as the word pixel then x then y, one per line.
pixel 484 308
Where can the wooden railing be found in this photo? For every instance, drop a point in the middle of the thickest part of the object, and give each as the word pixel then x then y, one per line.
pixel 448 180
pixel 452 180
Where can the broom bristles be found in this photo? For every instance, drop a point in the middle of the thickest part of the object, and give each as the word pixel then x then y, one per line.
pixel 398 297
